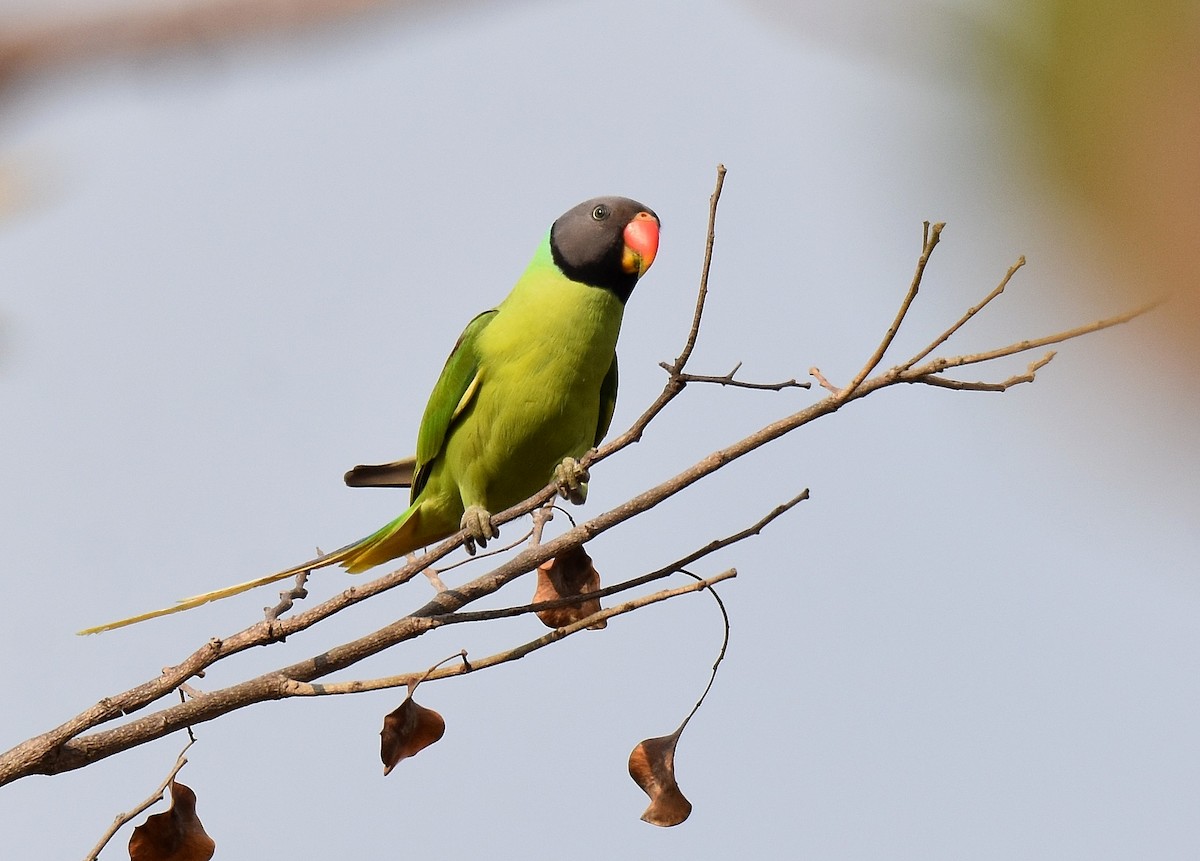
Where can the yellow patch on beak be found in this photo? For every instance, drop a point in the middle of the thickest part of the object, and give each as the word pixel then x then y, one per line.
pixel 631 262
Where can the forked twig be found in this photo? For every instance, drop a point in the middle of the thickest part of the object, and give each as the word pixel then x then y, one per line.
pixel 288 598
pixel 702 294
pixel 935 366
pixel 971 312
pixel 130 815
pixel 302 689
pixel 729 380
pixel 624 586
pixel 980 386
pixel 930 240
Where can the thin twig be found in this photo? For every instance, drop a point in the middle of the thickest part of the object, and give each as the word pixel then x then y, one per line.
pixel 930 241
pixel 675 383
pixel 624 586
pixel 412 685
pixel 301 689
pixel 728 380
pixel 497 551
pixel 541 518
pixel 565 514
pixel 971 312
pixel 702 295
pixel 935 366
pixel 288 598
pixel 814 371
pixel 130 815
pixel 979 386
pixel 720 655
pixel 433 575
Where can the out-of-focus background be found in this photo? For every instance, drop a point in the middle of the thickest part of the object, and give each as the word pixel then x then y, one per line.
pixel 238 238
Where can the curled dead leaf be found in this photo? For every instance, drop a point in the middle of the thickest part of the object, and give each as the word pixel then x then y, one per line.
pixel 568 574
pixel 407 731
pixel 652 767
pixel 175 835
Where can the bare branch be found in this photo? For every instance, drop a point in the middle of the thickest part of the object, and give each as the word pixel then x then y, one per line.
pixel 626 585
pixel 462 653
pixel 287 599
pixel 65 747
pixel 930 241
pixel 964 386
pixel 728 380
pixel 498 551
pixel 938 365
pixel 76 753
pixel 434 577
pixel 541 518
pixel 971 312
pixel 39 752
pixel 702 295
pixel 52 753
pixel 151 800
pixel 297 689
pixel 822 382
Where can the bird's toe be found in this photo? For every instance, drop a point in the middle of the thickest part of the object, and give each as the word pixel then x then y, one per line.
pixel 572 480
pixel 477 520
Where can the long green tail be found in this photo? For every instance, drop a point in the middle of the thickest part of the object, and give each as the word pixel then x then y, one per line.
pixel 393 540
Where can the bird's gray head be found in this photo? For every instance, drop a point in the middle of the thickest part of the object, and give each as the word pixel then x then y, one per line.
pixel 606 242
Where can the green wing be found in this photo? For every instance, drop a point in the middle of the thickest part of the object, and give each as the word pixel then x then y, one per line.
pixel 608 401
pixel 453 391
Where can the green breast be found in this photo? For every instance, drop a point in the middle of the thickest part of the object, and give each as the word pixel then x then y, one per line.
pixel 542 361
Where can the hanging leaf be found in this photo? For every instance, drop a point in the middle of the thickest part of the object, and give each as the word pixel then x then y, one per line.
pixel 407 731
pixel 568 574
pixel 652 761
pixel 175 835
pixel 652 767
pixel 411 728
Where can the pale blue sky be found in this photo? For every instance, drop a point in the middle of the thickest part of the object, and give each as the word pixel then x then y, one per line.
pixel 242 273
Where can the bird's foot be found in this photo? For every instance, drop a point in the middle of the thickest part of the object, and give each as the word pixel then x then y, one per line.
pixel 572 480
pixel 477 520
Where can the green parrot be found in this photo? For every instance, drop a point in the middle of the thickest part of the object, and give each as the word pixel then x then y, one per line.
pixel 529 387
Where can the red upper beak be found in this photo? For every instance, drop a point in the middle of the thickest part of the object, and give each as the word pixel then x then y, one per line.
pixel 641 243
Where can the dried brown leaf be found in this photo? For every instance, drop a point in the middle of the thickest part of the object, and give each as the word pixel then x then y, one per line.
pixel 407 731
pixel 175 835
pixel 652 767
pixel 568 574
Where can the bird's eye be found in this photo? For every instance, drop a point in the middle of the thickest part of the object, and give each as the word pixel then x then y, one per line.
pixel 601 212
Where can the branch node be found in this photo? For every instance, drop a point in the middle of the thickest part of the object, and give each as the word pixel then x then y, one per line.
pixel 730 380
pixel 814 371
pixel 288 597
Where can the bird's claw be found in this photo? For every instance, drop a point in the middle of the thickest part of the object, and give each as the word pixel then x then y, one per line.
pixel 477 520
pixel 571 479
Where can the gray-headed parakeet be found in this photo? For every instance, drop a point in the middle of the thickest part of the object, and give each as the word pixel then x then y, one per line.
pixel 529 388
